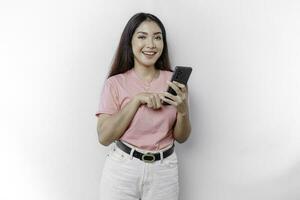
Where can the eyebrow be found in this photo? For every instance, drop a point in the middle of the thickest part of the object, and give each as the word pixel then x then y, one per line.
pixel 147 33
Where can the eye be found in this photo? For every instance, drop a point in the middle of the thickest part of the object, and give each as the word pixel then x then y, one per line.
pixel 158 38
pixel 141 37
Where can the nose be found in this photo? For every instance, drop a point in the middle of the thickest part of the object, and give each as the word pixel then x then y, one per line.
pixel 150 43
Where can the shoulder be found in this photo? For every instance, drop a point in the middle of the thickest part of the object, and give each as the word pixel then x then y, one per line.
pixel 117 79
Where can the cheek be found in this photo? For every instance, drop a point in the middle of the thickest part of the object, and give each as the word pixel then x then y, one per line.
pixel 160 46
pixel 137 45
pixel 135 49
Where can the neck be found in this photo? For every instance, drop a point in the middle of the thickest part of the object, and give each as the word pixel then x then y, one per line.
pixel 146 73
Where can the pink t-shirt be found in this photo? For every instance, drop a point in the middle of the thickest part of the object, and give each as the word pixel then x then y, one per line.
pixel 149 129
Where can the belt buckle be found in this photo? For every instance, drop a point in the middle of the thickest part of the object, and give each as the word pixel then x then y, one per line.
pixel 147 155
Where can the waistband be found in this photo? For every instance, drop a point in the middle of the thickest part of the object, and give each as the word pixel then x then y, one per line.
pixel 148 156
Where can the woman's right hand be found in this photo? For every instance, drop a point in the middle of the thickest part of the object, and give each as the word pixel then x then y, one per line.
pixel 151 100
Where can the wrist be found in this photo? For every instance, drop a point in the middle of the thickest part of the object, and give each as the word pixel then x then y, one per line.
pixel 136 100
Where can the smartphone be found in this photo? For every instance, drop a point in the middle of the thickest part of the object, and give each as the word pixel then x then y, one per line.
pixel 180 75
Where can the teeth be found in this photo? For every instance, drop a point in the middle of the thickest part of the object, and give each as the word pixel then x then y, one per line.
pixel 149 53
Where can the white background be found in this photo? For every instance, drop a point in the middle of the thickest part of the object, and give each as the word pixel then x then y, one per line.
pixel 244 95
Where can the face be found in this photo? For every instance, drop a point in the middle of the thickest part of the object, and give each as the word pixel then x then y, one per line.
pixel 147 44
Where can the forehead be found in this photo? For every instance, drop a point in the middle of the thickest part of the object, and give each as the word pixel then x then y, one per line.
pixel 148 27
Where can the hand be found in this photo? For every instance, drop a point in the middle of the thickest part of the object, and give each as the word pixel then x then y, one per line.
pixel 180 100
pixel 151 100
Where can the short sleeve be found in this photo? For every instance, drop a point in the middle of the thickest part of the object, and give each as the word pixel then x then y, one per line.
pixel 108 99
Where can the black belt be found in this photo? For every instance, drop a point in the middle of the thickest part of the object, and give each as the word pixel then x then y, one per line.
pixel 147 157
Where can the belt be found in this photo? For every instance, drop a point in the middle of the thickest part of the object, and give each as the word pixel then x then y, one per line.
pixel 146 157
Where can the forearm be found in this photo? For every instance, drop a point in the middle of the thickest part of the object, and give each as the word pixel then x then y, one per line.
pixel 182 127
pixel 113 127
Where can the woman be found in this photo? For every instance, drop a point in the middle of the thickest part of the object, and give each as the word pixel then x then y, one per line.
pixel 143 163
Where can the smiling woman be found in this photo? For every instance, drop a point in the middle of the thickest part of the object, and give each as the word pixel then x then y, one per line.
pixel 147 44
pixel 143 162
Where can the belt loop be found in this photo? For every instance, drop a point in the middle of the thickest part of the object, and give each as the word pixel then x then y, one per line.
pixel 161 156
pixel 131 153
pixel 113 146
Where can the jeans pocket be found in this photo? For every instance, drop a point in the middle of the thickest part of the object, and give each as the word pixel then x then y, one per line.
pixel 117 155
pixel 171 161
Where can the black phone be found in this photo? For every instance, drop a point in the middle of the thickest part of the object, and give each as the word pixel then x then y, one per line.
pixel 180 75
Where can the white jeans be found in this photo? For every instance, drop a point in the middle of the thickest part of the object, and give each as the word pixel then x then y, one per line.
pixel 127 178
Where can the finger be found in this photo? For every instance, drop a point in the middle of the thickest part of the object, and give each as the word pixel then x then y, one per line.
pixel 153 100
pixel 180 85
pixel 161 95
pixel 182 94
pixel 157 99
pixel 171 96
pixel 149 102
pixel 178 99
pixel 169 101
pixel 175 88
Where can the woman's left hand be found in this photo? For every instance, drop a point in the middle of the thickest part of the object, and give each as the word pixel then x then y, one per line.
pixel 180 100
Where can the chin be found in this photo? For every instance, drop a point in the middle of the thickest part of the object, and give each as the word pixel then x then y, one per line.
pixel 148 64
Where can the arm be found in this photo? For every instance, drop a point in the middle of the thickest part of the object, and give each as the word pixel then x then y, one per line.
pixel 182 127
pixel 112 127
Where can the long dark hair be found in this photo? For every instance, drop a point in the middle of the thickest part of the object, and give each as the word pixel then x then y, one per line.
pixel 124 59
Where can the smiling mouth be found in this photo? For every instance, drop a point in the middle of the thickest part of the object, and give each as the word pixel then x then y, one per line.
pixel 149 53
